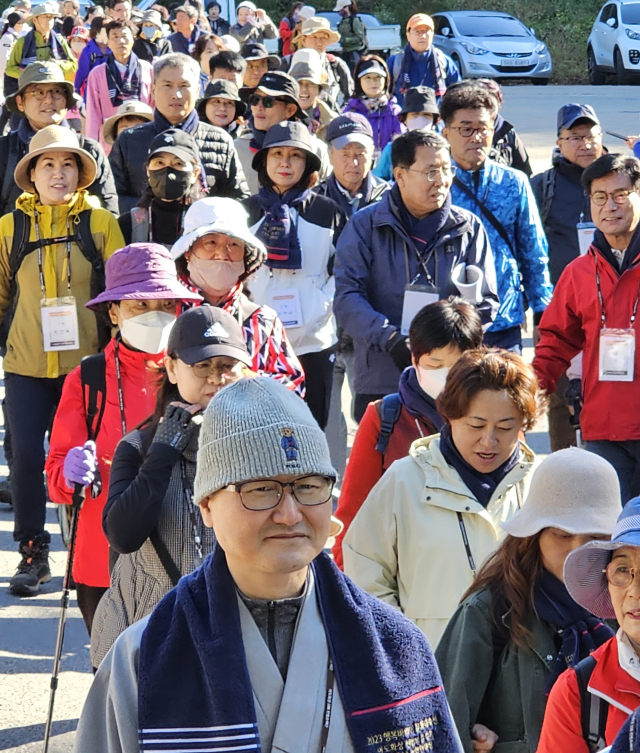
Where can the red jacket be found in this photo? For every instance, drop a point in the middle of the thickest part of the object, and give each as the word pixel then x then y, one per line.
pixel 286 35
pixel 366 465
pixel 562 728
pixel 572 322
pixel 139 386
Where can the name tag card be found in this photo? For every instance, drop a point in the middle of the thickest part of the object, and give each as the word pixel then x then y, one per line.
pixel 415 299
pixel 59 324
pixel 617 355
pixel 286 303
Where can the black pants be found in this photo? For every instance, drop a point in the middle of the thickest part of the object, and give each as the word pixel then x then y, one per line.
pixel 30 407
pixel 360 404
pixel 88 600
pixel 318 372
pixel 561 433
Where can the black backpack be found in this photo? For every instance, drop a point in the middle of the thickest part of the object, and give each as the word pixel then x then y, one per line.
pixel 593 709
pixel 21 247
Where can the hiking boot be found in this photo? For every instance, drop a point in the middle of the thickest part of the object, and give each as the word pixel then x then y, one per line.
pixel 6 497
pixel 33 570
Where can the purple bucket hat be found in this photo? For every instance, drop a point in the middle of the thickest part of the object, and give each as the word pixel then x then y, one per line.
pixel 584 567
pixel 142 271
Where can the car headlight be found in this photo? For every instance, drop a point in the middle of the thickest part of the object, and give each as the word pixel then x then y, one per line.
pixel 473 50
pixel 540 49
pixel 632 34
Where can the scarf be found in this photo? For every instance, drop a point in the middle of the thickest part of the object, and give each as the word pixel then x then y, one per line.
pixel 481 485
pixel 121 89
pixel 425 231
pixel 632 252
pixel 628 739
pixel 580 631
pixel 278 230
pixel 373 104
pixel 189 124
pixel 344 200
pixel 416 400
pixel 257 140
pixel 430 57
pixel 194 685
pixel 30 48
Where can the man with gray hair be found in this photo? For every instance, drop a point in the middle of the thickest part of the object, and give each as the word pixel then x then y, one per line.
pixel 175 89
pixel 410 249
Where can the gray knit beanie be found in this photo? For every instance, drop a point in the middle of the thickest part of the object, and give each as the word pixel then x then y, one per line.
pixel 257 428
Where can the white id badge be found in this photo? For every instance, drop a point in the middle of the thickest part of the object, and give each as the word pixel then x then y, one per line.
pixel 416 297
pixel 286 303
pixel 617 355
pixel 59 324
pixel 585 232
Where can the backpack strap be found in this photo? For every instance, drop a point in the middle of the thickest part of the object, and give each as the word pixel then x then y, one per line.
pixel 390 409
pixel 593 709
pixel 93 375
pixel 165 557
pixel 548 190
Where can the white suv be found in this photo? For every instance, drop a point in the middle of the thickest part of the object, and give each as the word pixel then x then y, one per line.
pixel 614 43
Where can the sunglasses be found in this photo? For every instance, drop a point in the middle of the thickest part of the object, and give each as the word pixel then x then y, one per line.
pixel 268 102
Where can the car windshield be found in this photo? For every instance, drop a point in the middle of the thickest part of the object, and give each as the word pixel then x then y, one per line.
pixel 631 14
pixel 490 26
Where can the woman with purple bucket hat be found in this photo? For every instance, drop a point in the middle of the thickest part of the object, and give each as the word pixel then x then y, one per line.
pixel 602 576
pixel 141 297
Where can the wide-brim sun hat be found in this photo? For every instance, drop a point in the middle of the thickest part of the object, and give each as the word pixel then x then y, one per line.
pixel 126 109
pixel 287 133
pixel 584 568
pixel 55 139
pixel 49 8
pixel 220 215
pixel 142 272
pixel 574 490
pixel 48 72
pixel 221 89
pixel 315 25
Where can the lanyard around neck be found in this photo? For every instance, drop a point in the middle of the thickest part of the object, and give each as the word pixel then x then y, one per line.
pixel 52 242
pixel 603 315
pixel 123 420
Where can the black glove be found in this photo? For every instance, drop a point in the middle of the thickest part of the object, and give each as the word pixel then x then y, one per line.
pixel 177 427
pixel 573 393
pixel 399 351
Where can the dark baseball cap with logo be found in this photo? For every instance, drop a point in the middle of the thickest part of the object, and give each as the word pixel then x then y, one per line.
pixel 569 114
pixel 349 128
pixel 206 332
pixel 257 51
pixel 177 142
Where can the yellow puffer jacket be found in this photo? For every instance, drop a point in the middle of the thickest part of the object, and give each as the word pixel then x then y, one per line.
pixel 25 348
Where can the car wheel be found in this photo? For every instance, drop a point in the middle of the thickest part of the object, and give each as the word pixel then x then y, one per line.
pixel 458 62
pixel 622 74
pixel 540 81
pixel 596 76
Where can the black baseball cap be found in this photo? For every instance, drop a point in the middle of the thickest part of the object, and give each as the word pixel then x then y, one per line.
pixel 175 141
pixel 220 88
pixel 257 51
pixel 568 114
pixel 281 85
pixel 206 332
pixel 420 99
pixel 348 128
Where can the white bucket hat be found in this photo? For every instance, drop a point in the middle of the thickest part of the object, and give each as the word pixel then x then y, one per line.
pixel 574 490
pixel 218 215
pixel 584 568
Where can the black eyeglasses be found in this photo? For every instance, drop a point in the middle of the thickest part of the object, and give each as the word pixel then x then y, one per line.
pixel 266 494
pixel 268 102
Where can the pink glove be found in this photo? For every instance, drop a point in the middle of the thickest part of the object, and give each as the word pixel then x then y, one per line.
pixel 80 465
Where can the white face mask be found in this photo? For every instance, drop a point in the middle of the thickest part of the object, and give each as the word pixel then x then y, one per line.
pixel 213 276
pixel 148 332
pixel 432 380
pixel 419 123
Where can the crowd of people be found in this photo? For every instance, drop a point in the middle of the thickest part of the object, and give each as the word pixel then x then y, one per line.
pixel 200 241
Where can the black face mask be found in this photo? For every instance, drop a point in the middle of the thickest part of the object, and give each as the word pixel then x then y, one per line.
pixel 169 183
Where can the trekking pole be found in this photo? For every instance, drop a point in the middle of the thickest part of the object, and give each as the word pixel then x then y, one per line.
pixel 78 498
pixel 575 420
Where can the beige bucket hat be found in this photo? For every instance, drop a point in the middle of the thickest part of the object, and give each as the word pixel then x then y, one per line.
pixel 316 24
pixel 132 107
pixel 55 139
pixel 49 8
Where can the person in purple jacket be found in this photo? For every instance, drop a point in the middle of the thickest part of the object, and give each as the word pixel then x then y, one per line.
pixel 374 101
pixel 96 52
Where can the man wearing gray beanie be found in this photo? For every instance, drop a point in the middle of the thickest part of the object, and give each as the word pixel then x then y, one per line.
pixel 267 646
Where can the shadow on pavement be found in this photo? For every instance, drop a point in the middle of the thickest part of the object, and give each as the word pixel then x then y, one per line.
pixel 34 733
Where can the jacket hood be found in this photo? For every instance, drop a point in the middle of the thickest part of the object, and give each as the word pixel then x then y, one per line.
pixel 81 200
pixel 439 474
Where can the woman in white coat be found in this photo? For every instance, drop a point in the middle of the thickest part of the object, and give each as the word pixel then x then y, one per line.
pixel 299 229
pixel 434 517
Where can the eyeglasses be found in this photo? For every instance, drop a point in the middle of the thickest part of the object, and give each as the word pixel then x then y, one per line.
pixel 589 138
pixel 268 102
pixel 266 494
pixel 56 92
pixel 599 198
pixel 620 576
pixel 467 131
pixel 205 369
pixel 445 173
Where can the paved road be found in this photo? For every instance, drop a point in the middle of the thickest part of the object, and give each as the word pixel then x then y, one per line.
pixel 28 626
